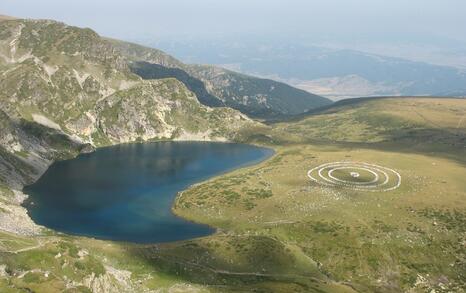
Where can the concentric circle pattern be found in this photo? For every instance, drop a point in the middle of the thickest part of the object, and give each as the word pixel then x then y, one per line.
pixel 356 175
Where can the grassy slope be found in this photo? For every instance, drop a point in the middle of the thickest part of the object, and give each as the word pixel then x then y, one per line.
pixel 280 233
pixel 384 242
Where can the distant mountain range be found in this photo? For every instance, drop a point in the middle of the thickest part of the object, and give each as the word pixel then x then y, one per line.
pixel 331 73
pixel 216 86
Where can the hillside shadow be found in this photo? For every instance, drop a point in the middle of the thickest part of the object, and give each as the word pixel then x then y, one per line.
pixel 148 70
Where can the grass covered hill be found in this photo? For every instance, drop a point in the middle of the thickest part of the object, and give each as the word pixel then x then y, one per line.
pixel 65 90
pixel 281 232
pixel 410 239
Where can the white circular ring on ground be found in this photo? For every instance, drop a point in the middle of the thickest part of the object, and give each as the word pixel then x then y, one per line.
pixel 376 176
pixel 332 182
pixel 385 179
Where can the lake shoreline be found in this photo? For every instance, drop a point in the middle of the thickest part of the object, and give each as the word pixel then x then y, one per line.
pixel 266 153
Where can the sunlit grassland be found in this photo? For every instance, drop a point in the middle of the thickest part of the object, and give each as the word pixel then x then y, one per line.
pixel 277 231
pixel 387 241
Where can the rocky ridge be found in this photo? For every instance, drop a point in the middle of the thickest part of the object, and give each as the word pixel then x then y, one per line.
pixel 256 97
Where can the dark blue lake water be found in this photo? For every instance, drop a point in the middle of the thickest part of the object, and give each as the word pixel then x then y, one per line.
pixel 126 192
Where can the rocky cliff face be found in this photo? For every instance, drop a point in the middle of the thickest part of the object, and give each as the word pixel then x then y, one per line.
pixel 26 150
pixel 164 109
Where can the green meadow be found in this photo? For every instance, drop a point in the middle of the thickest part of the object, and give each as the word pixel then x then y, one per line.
pixel 280 231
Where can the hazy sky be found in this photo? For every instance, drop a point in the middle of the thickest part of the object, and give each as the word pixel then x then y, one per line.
pixel 138 19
